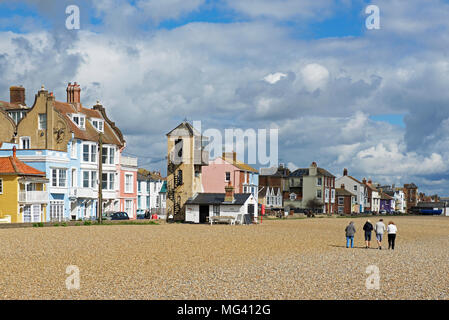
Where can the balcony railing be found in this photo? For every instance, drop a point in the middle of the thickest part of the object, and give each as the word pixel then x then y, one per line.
pixel 33 196
pixel 128 161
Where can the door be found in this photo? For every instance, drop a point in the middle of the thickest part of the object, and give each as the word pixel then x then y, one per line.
pixel 36 211
pixel 204 213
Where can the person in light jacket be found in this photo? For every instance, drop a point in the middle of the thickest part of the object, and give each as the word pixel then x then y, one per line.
pixel 391 230
pixel 350 232
pixel 380 229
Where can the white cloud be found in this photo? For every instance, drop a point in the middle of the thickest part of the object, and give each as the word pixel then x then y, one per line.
pixel 274 77
pixel 315 76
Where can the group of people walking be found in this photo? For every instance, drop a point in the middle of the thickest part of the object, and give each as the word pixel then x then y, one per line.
pixel 379 228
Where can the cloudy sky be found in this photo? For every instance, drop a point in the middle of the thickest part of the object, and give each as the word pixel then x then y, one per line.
pixel 374 101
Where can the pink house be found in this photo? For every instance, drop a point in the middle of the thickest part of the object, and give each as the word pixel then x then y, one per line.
pixel 128 186
pixel 221 170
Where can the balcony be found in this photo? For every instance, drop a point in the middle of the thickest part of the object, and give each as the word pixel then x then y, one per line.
pixel 83 193
pixel 33 196
pixel 128 161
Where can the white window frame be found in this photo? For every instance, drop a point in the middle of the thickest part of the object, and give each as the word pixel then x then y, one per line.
pixel 98 124
pixel 81 120
pixel 92 146
pixel 110 183
pixel 74 177
pixel 57 210
pixel 58 176
pixel 42 125
pixel 92 179
pixel 321 181
pixel 321 194
pixel 129 210
pixel 129 188
pixel 110 155
pixel 22 139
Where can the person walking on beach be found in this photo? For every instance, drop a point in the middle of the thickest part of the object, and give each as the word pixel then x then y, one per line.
pixel 350 231
pixel 368 227
pixel 391 230
pixel 380 229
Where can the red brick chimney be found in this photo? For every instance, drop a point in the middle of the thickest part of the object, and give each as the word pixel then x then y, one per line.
pixel 345 172
pixel 230 156
pixel 17 95
pixel 74 94
pixel 229 193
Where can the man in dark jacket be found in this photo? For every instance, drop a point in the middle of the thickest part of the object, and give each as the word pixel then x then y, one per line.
pixel 368 227
pixel 350 232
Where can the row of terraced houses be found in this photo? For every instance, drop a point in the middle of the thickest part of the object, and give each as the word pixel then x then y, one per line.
pixel 49 161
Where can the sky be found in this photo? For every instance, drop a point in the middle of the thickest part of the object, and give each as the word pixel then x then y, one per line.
pixel 374 101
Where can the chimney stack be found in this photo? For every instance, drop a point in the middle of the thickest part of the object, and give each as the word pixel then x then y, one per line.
pixel 229 193
pixel 14 152
pixel 345 172
pixel 230 156
pixel 17 95
pixel 342 186
pixel 364 181
pixel 74 94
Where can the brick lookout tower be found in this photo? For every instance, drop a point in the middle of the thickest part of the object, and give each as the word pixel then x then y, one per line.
pixel 186 155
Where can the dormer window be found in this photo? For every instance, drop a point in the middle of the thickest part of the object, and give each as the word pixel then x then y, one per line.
pixel 79 120
pixel 98 124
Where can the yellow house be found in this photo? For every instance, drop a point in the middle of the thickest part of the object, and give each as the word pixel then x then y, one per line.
pixel 23 194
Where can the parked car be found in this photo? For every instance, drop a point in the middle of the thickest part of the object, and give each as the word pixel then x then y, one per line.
pixel 383 212
pixel 111 215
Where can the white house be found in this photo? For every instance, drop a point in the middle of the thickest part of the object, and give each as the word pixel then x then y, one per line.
pixel 203 205
pixel 354 186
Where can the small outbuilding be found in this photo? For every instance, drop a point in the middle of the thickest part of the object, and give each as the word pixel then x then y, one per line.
pixel 241 206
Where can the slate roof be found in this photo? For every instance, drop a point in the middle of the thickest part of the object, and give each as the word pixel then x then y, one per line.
pixel 13 166
pixel 241 165
pixel 305 172
pixel 218 198
pixel 187 126
pixel 343 192
pixel 12 106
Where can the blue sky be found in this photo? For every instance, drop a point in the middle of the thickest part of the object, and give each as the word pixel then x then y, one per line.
pixel 340 95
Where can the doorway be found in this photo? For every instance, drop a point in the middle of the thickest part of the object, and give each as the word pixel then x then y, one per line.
pixel 204 213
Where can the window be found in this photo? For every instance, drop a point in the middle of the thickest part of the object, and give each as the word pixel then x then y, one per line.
pixel 25 142
pixel 319 181
pixel 90 179
pixel 108 182
pixel 355 198
pixel 1 186
pixel 59 177
pixel 355 187
pixel 341 200
pixel 79 120
pixel 89 152
pixel 216 209
pixel 292 196
pixel 340 209
pixel 42 125
pixel 333 195
pixel 227 176
pixel 128 182
pixel 108 155
pixel 56 210
pixel 98 124
pixel 74 180
pixel 318 194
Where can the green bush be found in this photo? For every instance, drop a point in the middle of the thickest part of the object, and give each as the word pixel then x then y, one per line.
pixel 87 223
pixel 38 225
pixel 56 225
pixel 77 224
pixel 64 224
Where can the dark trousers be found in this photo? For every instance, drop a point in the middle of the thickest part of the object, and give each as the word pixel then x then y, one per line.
pixel 391 239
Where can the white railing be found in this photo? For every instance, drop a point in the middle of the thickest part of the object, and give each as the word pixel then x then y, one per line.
pixel 83 193
pixel 33 196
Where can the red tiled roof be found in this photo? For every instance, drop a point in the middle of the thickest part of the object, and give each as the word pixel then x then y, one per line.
pixel 90 133
pixel 11 106
pixel 12 165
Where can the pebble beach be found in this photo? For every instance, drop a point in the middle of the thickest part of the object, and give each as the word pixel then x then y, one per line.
pixel 278 259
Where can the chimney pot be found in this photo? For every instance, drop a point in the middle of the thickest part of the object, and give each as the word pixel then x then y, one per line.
pixel 345 172
pixel 14 151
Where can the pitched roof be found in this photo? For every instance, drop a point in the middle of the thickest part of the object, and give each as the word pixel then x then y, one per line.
pixel 355 179
pixel 12 106
pixel 385 196
pixel 12 165
pixel 188 126
pixel 240 165
pixel 305 172
pixel 89 133
pixel 218 198
pixel 343 192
